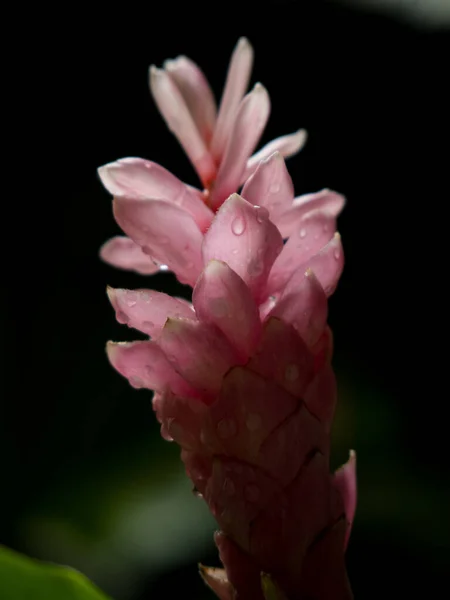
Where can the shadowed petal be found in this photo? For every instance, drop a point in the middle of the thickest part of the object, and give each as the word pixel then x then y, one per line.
pixel 217 580
pixel 236 85
pixel 325 200
pixel 147 310
pixel 345 483
pixel 321 395
pixel 122 252
pixel 143 179
pixel 286 145
pixel 246 130
pixel 165 232
pixel 242 236
pixel 145 366
pixel 315 230
pixel 270 186
pixel 200 353
pixel 284 357
pixel 221 298
pixel 197 94
pixel 304 305
pixel 173 108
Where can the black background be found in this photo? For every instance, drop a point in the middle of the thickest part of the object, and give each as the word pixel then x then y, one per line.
pixel 372 94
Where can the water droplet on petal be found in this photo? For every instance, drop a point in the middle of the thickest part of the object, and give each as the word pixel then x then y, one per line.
pixel 228 487
pixel 136 382
pixel 274 188
pixel 163 268
pixel 251 492
pixel 226 428
pixel 165 434
pixel 219 307
pixel 302 232
pixel 255 267
pixel 253 421
pixel 262 214
pixel 337 254
pixel 131 303
pixel 291 373
pixel 122 317
pixel 146 296
pixel 238 226
pixel 325 227
pixel 234 251
pixel 148 327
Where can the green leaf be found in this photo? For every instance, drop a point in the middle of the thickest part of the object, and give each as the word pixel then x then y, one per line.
pixel 22 578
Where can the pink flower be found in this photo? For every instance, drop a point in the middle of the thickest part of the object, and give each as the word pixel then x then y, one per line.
pixel 219 145
pixel 243 383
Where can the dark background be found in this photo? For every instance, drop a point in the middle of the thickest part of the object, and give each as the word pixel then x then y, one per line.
pixel 86 480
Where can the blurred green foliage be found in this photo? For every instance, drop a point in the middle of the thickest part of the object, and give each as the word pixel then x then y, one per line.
pixel 22 578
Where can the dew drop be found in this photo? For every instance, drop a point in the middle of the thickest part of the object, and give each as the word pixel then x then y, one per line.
pixel 255 267
pixel 131 303
pixel 165 434
pixel 252 492
pixel 262 214
pixel 234 251
pixel 238 226
pixel 274 188
pixel 122 317
pixel 228 487
pixel 302 232
pixel 148 326
pixel 226 428
pixel 337 254
pixel 253 422
pixel 136 382
pixel 163 268
pixel 291 373
pixel 146 296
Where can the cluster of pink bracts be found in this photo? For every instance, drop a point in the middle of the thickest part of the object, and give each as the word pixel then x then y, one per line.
pixel 242 376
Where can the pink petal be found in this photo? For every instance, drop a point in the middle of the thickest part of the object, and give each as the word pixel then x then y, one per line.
pixel 142 179
pixel 304 305
pixel 293 367
pixel 179 120
pixel 321 395
pixel 251 118
pixel 145 366
pixel 315 231
pixel 294 518
pixel 286 145
pixel 147 310
pixel 196 92
pixel 270 186
pixel 246 411
pixel 236 492
pixel 199 353
pixel 327 265
pixel 243 573
pixel 198 468
pixel 236 85
pixel 324 574
pixel 221 298
pixel 122 252
pixel 287 447
pixel 325 200
pixel 164 231
pixel 181 420
pixel 242 236
pixel 345 483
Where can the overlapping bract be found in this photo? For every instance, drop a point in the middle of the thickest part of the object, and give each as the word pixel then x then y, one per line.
pixel 242 376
